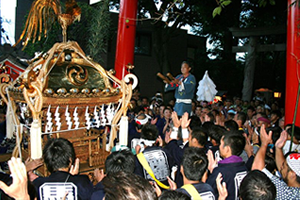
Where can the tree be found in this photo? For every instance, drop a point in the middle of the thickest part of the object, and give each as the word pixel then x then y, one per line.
pixel 249 13
pixel 100 31
pixel 80 32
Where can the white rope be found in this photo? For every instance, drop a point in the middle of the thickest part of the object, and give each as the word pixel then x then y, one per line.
pixel 15 123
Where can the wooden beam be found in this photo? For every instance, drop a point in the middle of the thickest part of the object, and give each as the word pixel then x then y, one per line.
pixel 260 48
pixel 238 49
pixel 271 47
pixel 260 31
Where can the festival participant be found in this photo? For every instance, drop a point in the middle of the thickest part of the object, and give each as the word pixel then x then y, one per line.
pixel 231 125
pixel 184 86
pixel 198 111
pixel 173 195
pixel 152 162
pixel 204 112
pixel 240 119
pixel 257 186
pixel 232 167
pixel 176 146
pixel 117 161
pixel 18 187
pixel 215 134
pixel 289 187
pixel 250 114
pixel 296 140
pixel 59 157
pixel 122 185
pixel 135 129
pixel 163 122
pixel 194 172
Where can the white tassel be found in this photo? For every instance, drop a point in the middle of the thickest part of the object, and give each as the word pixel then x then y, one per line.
pixel 35 139
pixel 123 133
pixel 9 122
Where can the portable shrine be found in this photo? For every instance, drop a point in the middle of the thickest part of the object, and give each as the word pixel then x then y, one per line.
pixel 64 93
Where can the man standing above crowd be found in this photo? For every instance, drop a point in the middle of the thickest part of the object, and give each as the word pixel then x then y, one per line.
pixel 184 86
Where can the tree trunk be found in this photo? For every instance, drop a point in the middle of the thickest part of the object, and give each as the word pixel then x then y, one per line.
pixel 249 70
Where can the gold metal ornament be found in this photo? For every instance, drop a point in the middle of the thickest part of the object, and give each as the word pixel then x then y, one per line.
pixel 61 91
pixel 85 91
pixel 74 90
pixel 77 74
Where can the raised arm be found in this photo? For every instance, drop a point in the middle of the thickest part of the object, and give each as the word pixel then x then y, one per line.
pixel 176 123
pixel 279 157
pixel 185 122
pixel 259 160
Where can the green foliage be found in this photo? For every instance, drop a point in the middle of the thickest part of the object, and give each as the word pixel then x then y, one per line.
pixel 81 32
pixel 222 4
pixel 99 31
pixel 217 11
pixel 263 3
pixel 53 36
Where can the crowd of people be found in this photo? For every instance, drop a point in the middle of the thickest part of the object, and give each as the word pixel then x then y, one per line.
pixel 182 149
pixel 223 150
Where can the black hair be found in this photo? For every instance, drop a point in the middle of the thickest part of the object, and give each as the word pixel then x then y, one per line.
pixel 231 125
pixel 276 131
pixel 207 125
pixel 149 132
pixel 236 141
pixel 216 132
pixel 186 62
pixel 211 116
pixel 132 99
pixel 296 132
pixel 123 160
pixel 195 122
pixel 58 153
pixel 251 108
pixel 263 115
pixel 257 186
pixel 276 112
pixel 167 108
pixel 173 195
pixel 200 135
pixel 123 185
pixel 270 162
pixel 194 163
pixel 242 116
pixel 215 112
pixel 145 98
pixel 231 115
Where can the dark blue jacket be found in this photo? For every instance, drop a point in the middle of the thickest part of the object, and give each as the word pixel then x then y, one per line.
pixel 82 182
pixel 233 174
pixel 204 189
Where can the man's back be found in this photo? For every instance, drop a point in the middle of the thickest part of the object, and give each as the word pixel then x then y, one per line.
pixel 160 162
pixel 232 173
pixel 204 189
pixel 58 180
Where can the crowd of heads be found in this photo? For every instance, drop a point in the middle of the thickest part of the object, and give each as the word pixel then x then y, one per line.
pixel 229 128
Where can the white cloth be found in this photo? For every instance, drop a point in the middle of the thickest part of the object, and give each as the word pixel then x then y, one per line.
pixel 286 148
pixel 206 89
pixel 188 101
pixel 185 133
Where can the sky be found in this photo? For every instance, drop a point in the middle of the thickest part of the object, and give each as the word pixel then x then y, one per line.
pixel 7 9
pixel 8 16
